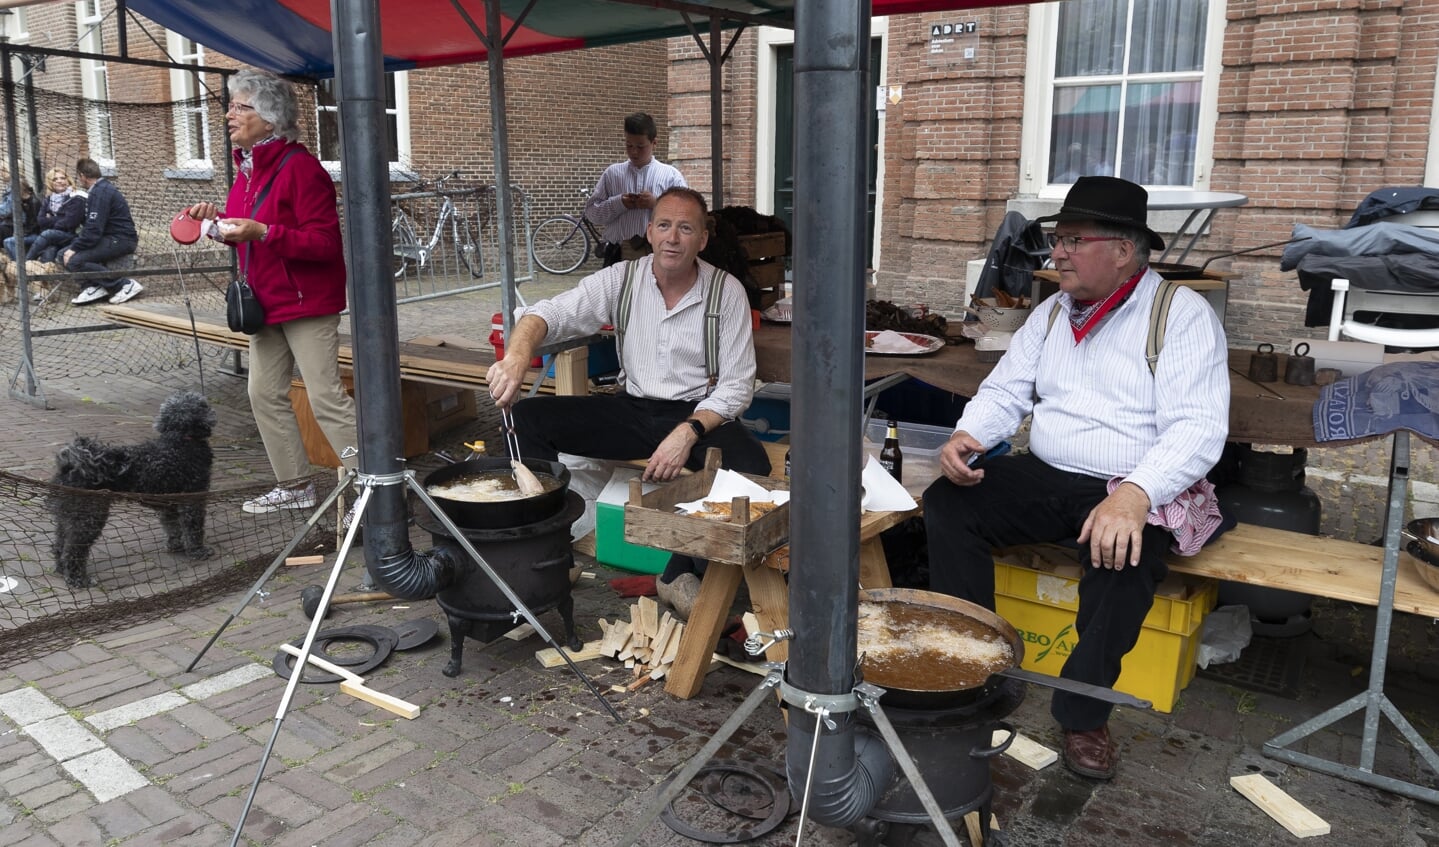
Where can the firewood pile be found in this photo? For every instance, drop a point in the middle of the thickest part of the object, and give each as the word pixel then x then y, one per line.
pixel 647 643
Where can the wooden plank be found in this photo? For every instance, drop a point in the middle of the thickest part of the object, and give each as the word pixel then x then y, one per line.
pixel 1274 802
pixel 550 657
pixel 521 632
pixel 1327 567
pixel 747 667
pixel 1026 750
pixel 702 632
pixel 300 561
pixel 354 685
pixel 769 599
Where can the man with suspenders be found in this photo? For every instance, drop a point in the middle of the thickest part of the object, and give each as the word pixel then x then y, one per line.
pixel 1126 379
pixel 685 341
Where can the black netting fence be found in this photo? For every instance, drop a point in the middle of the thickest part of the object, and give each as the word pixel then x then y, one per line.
pixel 131 568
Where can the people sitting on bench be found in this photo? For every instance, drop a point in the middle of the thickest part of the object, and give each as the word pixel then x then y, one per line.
pixel 108 234
pixel 1115 438
pixel 60 217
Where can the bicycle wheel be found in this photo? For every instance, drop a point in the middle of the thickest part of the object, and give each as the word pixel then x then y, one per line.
pixel 559 244
pixel 404 245
pixel 467 249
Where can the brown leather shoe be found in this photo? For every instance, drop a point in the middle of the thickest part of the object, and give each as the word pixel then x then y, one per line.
pixel 1091 753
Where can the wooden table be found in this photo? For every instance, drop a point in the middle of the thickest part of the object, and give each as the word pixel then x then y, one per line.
pixel 1264 413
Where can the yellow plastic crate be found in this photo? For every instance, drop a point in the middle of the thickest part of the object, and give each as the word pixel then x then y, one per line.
pixel 1041 605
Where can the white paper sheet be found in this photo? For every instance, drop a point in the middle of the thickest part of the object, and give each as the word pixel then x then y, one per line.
pixel 890 341
pixel 882 492
pixel 728 485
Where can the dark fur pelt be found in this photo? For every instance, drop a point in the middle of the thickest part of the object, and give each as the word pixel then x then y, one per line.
pixel 723 251
pixel 177 461
pixel 746 221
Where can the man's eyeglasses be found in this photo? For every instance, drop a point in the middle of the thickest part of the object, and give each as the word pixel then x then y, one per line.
pixel 1071 242
pixel 241 108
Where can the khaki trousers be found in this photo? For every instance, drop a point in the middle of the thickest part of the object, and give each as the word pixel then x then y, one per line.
pixel 312 345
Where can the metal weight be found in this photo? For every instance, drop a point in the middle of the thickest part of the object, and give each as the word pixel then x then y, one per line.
pixel 1326 376
pixel 1299 367
pixel 1264 364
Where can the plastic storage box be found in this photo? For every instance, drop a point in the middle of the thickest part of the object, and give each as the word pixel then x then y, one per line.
pixel 1040 600
pixel 920 444
pixel 768 414
pixel 611 548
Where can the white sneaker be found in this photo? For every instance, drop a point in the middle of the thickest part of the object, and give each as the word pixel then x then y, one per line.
pixel 90 295
pixel 127 291
pixel 281 498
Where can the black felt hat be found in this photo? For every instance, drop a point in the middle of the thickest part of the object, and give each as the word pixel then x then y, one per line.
pixel 1109 200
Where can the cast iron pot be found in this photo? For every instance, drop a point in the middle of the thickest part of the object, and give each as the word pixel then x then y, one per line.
pixel 947 698
pixel 500 514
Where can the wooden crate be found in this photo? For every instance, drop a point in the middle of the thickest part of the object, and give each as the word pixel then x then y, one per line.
pixel 651 520
pixel 416 436
pixel 766 254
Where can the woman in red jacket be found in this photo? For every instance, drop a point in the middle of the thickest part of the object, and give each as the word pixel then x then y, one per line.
pixel 281 217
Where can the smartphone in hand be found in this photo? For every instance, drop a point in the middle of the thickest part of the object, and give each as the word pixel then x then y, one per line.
pixel 977 459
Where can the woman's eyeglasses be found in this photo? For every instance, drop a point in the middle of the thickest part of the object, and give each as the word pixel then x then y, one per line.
pixel 1071 242
pixel 240 108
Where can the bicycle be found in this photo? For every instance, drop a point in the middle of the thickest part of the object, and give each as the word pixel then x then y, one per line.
pixel 406 243
pixel 564 242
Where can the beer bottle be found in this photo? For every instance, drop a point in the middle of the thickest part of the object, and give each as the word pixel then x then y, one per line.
pixel 890 457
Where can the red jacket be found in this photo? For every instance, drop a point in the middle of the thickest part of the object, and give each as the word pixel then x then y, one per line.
pixel 298 271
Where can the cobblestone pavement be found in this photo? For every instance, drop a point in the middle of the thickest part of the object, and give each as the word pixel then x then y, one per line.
pixel 108 741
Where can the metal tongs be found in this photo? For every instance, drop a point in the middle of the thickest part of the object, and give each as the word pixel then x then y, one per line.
pixel 525 478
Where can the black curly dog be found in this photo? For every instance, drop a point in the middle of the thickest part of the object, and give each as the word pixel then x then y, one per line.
pixel 177 461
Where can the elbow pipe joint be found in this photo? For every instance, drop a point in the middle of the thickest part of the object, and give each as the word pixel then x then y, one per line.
pixel 852 769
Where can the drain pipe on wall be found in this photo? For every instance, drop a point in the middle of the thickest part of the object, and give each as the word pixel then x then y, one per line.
pixel 842 771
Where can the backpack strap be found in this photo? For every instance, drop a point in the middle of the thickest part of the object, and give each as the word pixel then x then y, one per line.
pixel 1158 321
pixel 713 297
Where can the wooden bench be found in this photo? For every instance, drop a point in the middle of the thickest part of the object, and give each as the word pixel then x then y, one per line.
pixel 1308 564
pixel 446 363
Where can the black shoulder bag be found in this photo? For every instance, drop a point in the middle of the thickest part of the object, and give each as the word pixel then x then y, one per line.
pixel 242 310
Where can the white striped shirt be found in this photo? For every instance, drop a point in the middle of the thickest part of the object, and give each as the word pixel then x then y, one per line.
pixel 664 356
pixel 607 209
pixel 1099 410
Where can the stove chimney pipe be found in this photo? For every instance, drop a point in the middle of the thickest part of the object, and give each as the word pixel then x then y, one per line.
pixel 832 152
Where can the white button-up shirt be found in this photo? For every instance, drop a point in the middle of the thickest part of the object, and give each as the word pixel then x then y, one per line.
pixel 664 351
pixel 607 209
pixel 1097 408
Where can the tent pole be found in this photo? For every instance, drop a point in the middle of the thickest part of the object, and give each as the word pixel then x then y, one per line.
pixel 716 61
pixel 500 139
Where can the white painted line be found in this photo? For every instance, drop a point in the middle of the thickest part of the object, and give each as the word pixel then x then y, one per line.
pixel 63 737
pixel 138 710
pixel 105 774
pixel 227 681
pixel 28 705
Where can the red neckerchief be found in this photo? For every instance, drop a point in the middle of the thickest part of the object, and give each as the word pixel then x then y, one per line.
pixel 1086 315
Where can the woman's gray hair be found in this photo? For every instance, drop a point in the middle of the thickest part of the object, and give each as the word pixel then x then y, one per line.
pixel 273 99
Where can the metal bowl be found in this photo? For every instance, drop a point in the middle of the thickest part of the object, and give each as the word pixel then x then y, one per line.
pixel 1423 535
pixel 1000 318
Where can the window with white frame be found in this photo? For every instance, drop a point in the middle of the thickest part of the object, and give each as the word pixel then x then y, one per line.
pixel 397 121
pixel 1122 88
pixel 95 83
pixel 189 92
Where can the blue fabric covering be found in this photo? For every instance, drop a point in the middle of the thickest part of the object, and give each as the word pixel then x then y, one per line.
pixel 1404 395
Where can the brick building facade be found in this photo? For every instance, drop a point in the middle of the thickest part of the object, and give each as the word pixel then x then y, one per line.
pixel 1318 104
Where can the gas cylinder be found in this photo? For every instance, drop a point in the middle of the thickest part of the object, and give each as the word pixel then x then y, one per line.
pixel 1270 491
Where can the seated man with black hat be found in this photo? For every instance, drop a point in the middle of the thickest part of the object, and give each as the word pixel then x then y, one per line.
pixel 1114 438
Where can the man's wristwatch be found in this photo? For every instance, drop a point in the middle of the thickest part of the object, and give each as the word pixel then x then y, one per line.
pixel 697 426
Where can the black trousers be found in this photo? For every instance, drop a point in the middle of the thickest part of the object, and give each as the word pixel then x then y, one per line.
pixel 618 426
pixel 92 259
pixel 1024 501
